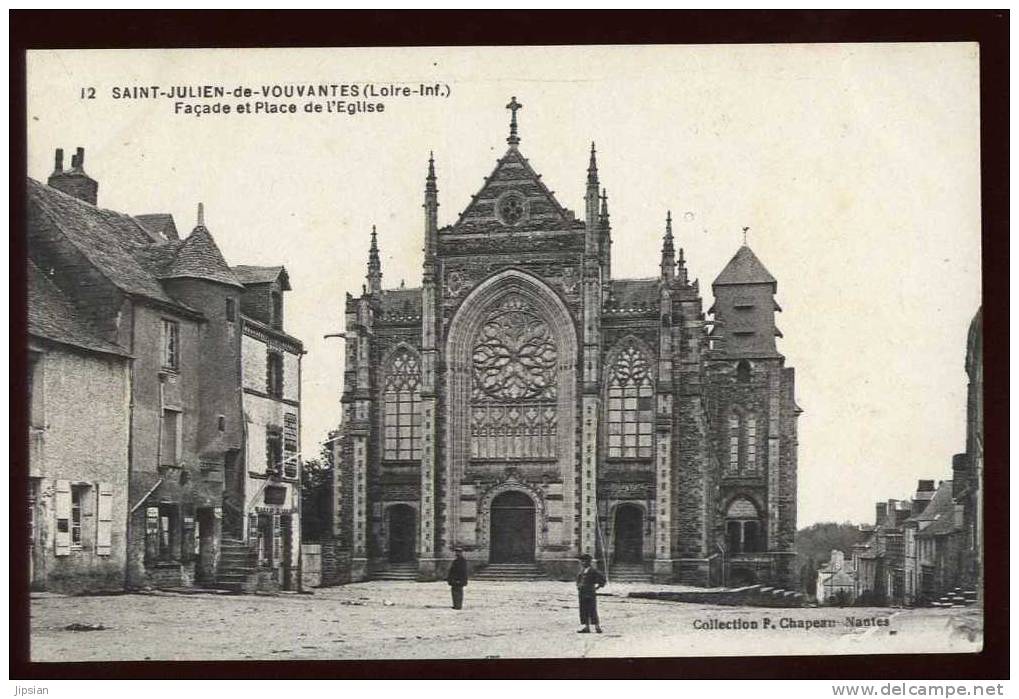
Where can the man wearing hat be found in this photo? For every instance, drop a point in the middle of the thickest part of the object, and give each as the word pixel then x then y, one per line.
pixel 588 581
pixel 457 577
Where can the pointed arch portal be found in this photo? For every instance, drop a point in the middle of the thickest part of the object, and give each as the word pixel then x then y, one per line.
pixel 511 363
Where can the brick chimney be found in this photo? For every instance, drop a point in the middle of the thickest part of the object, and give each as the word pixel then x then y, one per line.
pixel 74 182
pixel 880 513
pixel 924 494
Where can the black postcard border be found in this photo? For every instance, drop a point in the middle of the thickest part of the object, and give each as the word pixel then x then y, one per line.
pixel 194 28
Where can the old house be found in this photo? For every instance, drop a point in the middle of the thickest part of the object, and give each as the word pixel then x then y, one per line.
pixel 171 306
pixel 919 518
pixel 879 561
pixel 527 406
pixel 261 502
pixel 78 458
pixel 836 583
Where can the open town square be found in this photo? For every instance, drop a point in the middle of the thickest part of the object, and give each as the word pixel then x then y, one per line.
pixel 519 619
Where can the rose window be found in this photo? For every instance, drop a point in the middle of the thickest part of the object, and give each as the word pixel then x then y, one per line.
pixel 511 209
pixel 513 393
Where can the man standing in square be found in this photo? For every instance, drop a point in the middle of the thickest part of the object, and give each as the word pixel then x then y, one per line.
pixel 589 580
pixel 457 577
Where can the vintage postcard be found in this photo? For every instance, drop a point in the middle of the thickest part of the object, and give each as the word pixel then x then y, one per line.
pixel 504 352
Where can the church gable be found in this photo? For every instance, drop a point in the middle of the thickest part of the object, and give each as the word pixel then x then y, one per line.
pixel 514 198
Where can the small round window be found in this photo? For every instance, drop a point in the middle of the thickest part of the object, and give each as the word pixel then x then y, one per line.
pixel 511 208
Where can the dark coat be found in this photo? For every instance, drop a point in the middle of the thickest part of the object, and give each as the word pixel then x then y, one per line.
pixel 589 580
pixel 457 574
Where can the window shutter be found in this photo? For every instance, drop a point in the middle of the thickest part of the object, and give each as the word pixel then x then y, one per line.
pixel 252 529
pixel 277 539
pixel 104 520
pixel 62 507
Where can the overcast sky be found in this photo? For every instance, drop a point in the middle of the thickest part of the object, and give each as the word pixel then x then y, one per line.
pixel 855 166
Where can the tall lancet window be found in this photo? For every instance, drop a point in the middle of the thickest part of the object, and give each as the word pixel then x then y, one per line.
pixel 734 425
pixel 402 404
pixel 750 463
pixel 631 406
pixel 513 384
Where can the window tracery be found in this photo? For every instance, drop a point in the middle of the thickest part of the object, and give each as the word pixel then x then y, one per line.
pixel 514 364
pixel 402 406
pixel 630 406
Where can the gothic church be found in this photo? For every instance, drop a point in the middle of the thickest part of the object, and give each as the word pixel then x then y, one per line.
pixel 528 407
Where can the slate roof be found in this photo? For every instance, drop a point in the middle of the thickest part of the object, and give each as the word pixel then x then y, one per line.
pixel 198 257
pixel 401 302
pixel 112 242
pixel 126 252
pixel 942 498
pixel 253 274
pixel 940 512
pixel 634 293
pixel 744 268
pixel 162 226
pixel 52 316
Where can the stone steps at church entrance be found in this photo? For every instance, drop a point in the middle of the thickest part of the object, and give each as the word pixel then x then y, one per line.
pixel 510 571
pixel 396 571
pixel 629 573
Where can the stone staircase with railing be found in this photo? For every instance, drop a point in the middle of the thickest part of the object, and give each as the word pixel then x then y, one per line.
pixel 510 571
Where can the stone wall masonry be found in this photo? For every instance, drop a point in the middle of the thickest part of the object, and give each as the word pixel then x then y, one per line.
pixel 83 446
pixel 788 463
pixel 186 486
pixel 218 365
pixel 690 486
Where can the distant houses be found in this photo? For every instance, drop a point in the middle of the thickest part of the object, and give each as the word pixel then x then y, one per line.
pixel 926 550
pixel 154 438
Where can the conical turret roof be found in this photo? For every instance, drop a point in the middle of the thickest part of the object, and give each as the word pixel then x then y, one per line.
pixel 198 257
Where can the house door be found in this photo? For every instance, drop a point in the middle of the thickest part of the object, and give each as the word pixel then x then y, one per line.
pixel 629 534
pixel 206 571
pixel 265 541
pixel 512 535
pixel 402 527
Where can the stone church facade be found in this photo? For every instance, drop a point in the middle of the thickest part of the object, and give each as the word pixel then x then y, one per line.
pixel 526 406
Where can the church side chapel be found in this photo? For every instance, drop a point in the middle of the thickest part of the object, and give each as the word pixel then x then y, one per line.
pixel 528 407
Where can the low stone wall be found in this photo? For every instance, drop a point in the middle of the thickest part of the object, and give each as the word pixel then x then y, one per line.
pixel 311 565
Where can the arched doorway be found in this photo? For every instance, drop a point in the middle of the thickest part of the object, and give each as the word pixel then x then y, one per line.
pixel 512 536
pixel 629 534
pixel 402 528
